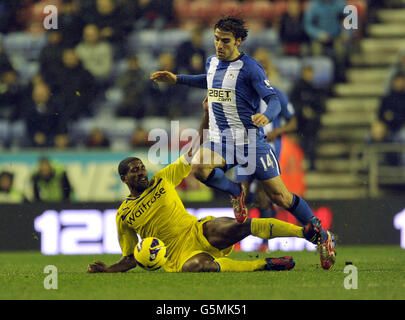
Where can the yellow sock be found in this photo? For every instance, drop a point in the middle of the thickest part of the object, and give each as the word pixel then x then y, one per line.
pixel 269 228
pixel 229 265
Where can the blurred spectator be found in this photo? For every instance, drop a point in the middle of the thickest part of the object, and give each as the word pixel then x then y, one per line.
pixel 397 68
pixel 292 33
pixel 75 85
pixel 9 194
pixel 22 13
pixel 36 40
pixel 191 55
pixel 323 24
pixel 111 21
pixel 155 14
pixel 36 14
pixel 168 100
pixel 70 23
pixel 96 55
pixel 50 182
pixel 392 107
pixel 391 119
pixel 62 141
pixel 139 138
pixel 133 83
pixel 11 95
pixel 97 139
pixel 18 111
pixel 51 55
pixel 322 20
pixel 309 106
pixel 10 89
pixel 42 118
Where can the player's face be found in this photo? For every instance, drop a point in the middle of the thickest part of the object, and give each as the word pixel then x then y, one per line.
pixel 137 176
pixel 226 46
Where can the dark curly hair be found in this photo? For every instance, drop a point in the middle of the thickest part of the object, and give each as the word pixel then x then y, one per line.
pixel 123 166
pixel 234 25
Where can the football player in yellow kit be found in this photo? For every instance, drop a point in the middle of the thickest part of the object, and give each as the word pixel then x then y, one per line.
pixel 154 209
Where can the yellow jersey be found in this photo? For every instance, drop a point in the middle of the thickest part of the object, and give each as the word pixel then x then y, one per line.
pixel 157 212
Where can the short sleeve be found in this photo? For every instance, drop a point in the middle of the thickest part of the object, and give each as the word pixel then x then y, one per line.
pixel 128 240
pixel 260 82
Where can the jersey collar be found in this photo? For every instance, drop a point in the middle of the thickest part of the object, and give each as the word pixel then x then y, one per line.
pixel 230 61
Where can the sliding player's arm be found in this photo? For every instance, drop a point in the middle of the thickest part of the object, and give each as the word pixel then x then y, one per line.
pixel 128 239
pixel 198 81
pixel 181 168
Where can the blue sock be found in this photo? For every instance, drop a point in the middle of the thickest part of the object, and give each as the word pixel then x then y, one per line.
pixel 301 210
pixel 219 181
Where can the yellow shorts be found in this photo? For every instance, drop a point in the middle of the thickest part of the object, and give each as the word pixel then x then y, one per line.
pixel 191 244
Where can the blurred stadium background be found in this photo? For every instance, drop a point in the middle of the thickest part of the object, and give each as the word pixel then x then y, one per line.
pixel 80 96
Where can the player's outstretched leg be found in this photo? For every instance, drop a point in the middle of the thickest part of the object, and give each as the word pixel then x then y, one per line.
pixel 298 207
pixel 224 232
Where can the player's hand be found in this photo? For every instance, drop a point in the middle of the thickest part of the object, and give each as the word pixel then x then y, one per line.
pixel 205 104
pixel 97 267
pixel 164 76
pixel 260 120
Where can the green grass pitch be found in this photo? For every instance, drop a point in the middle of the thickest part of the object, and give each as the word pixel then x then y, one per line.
pixel 381 275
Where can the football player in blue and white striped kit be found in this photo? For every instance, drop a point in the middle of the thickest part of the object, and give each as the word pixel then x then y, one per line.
pixel 236 84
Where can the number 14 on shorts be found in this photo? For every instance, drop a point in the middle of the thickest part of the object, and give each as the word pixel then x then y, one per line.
pixel 267 163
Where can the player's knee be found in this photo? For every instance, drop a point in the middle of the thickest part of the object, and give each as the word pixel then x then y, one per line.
pixel 209 266
pixel 200 265
pixel 191 266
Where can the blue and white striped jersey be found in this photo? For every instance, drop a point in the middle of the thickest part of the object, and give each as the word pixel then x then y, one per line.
pixel 235 91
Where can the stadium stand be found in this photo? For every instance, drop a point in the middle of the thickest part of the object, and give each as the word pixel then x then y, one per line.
pixel 352 110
